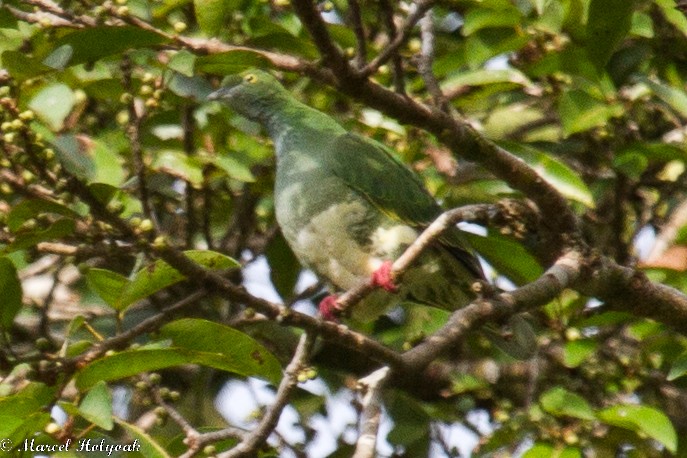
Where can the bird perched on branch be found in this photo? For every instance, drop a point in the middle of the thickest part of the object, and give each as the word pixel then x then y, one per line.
pixel 348 207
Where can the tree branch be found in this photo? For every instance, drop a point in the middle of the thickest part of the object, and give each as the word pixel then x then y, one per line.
pixel 421 8
pixel 250 443
pixel 371 387
pixel 562 274
pixel 359 30
pixel 331 54
pixel 388 13
pixel 426 60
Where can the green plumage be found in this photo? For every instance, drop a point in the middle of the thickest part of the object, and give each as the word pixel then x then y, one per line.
pixel 345 204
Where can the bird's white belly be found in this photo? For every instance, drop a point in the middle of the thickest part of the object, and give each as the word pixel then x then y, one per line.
pixel 327 245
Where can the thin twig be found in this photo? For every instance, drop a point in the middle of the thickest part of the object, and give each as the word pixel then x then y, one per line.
pixel 133 130
pixel 359 30
pixel 332 56
pixel 127 336
pixel 668 233
pixel 250 444
pixel 420 8
pixel 562 274
pixel 387 11
pixel 371 415
pixel 427 59
pixel 40 17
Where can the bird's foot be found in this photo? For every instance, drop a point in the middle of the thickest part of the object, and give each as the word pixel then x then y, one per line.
pixel 329 308
pixel 383 277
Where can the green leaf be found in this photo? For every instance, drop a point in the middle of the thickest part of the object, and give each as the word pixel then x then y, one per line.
pixel 96 406
pixel 52 104
pixel 579 111
pixel 74 156
pixel 559 175
pixel 577 351
pixel 22 67
pixel 93 43
pixel 149 448
pixel 672 14
pixel 284 266
pixel 32 208
pixel 542 449
pixel 481 18
pixel 560 402
pixel 130 362
pixel 484 77
pixel 230 62
pixel 241 353
pixel 7 19
pixel 160 275
pixel 507 257
pixel 60 57
pixel 675 98
pixel 10 286
pixel 268 34
pixel 57 230
pixel 107 164
pixel 234 168
pixel 642 25
pixel 212 15
pixel 16 409
pixel 107 284
pixel 679 367
pixel 642 419
pixel 522 344
pixel 608 23
pixel 103 192
pixel 631 163
pixel 182 62
pixel 180 165
pixel 539 449
pixel 133 362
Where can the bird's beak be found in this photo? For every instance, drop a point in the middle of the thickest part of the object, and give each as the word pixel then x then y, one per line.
pixel 227 85
pixel 218 94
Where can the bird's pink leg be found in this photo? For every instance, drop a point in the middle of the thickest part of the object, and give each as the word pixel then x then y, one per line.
pixel 329 308
pixel 382 277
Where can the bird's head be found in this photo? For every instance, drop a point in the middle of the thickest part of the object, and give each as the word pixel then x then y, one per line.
pixel 251 93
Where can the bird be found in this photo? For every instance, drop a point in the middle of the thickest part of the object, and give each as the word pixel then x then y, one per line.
pixel 348 207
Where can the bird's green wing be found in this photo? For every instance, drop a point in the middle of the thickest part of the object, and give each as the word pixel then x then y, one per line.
pixel 371 169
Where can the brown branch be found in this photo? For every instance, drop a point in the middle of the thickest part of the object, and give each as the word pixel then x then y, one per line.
pixel 331 331
pixel 426 60
pixel 359 30
pixel 40 17
pixel 250 443
pixel 174 414
pixel 562 274
pixel 133 130
pixel 665 238
pixel 630 290
pixel 48 6
pixel 332 56
pixel 371 387
pixel 123 339
pixel 387 11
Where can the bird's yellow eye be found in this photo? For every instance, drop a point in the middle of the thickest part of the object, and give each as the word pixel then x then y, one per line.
pixel 250 78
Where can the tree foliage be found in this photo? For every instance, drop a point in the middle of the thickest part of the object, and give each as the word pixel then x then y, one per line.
pixel 137 219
